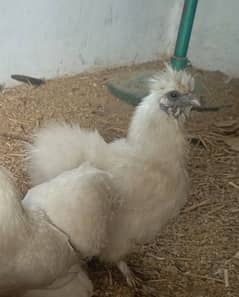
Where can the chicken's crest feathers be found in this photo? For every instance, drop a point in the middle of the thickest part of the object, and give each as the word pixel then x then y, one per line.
pixel 169 79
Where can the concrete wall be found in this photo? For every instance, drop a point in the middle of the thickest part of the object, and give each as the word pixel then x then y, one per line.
pixel 215 39
pixel 53 37
pixel 48 38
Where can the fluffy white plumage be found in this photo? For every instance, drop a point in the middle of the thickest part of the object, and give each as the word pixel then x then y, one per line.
pixel 34 254
pixel 78 285
pixel 80 203
pixel 147 167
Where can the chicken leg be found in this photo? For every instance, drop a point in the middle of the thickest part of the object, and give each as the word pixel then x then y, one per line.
pixel 130 277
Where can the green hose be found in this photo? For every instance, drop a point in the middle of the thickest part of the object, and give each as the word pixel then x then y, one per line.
pixel 179 60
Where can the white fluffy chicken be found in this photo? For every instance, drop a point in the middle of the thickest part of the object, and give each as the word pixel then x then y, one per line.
pixel 37 258
pixel 147 167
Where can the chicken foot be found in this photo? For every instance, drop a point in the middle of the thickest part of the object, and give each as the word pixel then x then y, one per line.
pixel 130 277
pixel 135 282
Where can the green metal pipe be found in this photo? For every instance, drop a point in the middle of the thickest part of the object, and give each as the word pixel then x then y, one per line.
pixel 179 59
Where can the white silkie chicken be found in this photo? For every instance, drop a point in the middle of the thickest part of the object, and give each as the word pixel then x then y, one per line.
pixel 147 167
pixel 37 250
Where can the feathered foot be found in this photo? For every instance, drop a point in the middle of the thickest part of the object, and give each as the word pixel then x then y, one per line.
pixel 135 282
pixel 132 280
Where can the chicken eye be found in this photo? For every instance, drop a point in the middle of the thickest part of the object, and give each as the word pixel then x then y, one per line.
pixel 174 94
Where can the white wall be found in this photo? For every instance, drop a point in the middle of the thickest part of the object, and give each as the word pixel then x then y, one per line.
pixel 47 38
pixel 215 39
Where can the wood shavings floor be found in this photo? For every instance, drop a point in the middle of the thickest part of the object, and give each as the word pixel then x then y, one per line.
pixel 197 254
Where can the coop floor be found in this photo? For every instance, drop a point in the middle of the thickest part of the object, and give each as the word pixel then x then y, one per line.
pixel 194 254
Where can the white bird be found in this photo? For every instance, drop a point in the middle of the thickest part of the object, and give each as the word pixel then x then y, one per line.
pixel 147 167
pixel 34 253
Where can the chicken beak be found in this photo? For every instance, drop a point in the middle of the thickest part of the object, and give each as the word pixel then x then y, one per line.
pixel 195 102
pixel 188 100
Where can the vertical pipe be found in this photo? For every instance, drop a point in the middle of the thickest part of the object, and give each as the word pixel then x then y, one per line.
pixel 179 59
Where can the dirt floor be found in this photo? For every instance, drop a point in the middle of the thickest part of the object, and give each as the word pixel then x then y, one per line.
pixel 197 254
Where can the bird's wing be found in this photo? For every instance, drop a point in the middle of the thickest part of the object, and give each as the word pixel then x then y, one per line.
pixel 80 203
